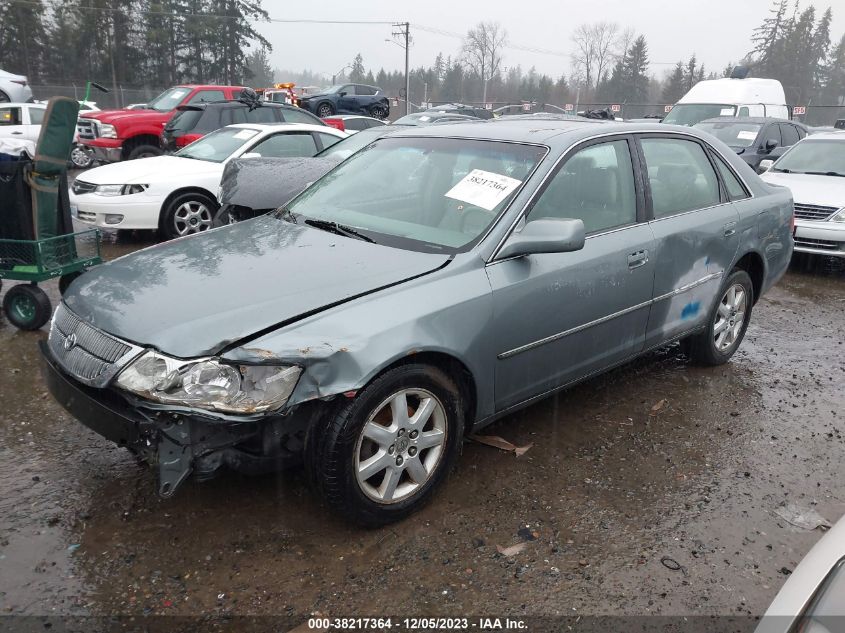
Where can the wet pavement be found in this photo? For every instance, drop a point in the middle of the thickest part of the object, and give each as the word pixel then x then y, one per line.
pixel 649 490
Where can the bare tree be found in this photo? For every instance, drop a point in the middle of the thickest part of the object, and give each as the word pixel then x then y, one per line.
pixel 597 46
pixel 482 51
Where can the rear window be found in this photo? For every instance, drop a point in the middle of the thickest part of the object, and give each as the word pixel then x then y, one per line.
pixel 185 120
pixel 263 115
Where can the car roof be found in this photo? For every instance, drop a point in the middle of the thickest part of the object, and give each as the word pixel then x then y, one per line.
pixel 761 120
pixel 827 136
pixel 233 103
pixel 265 127
pixel 554 131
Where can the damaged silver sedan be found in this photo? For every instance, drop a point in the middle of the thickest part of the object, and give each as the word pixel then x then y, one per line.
pixel 433 282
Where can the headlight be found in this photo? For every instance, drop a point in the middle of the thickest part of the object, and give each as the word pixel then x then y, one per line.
pixel 839 216
pixel 107 131
pixel 119 190
pixel 209 383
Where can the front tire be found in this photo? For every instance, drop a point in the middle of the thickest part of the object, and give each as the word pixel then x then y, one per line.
pixel 325 109
pixel 727 322
pixel 27 307
pixel 144 151
pixel 383 454
pixel 188 213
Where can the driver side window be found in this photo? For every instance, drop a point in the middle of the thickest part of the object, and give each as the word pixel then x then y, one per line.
pixel 595 185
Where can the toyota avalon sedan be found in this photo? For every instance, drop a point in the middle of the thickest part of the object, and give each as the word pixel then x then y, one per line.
pixel 372 322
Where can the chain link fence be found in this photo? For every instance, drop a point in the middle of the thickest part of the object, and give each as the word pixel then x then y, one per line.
pixel 117 97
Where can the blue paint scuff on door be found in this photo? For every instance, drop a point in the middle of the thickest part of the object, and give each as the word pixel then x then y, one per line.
pixel 690 310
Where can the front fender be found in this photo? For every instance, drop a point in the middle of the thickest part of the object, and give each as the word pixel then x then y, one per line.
pixel 343 349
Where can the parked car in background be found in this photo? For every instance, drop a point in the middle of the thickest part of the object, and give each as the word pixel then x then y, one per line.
pixel 459 108
pixel 814 170
pixel 14 88
pixel 191 122
pixel 419 119
pixel 176 194
pixel 435 281
pixel 353 122
pixel 733 97
pixel 812 600
pixel 115 135
pixel 755 139
pixel 21 121
pixel 348 99
pixel 254 186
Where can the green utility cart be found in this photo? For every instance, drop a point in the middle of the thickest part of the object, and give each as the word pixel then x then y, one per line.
pixel 65 256
pixel 37 241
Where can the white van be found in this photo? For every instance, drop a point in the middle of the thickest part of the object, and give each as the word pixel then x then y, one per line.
pixel 730 97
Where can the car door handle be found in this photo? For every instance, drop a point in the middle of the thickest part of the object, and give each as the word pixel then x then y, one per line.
pixel 18 133
pixel 640 258
pixel 730 229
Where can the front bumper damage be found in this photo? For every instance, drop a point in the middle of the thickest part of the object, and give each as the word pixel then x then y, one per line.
pixel 180 444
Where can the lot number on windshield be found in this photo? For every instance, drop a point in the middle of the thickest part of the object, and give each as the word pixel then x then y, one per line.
pixel 483 189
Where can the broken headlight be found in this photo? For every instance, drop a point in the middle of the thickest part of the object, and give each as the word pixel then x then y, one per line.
pixel 209 383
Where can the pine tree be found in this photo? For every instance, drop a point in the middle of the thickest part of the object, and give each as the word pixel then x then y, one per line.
pixel 22 38
pixel 635 71
pixel 833 88
pixel 357 73
pixel 767 38
pixel 675 85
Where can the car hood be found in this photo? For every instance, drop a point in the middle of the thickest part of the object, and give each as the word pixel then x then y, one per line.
pixel 148 170
pixel 267 183
pixel 198 295
pixel 137 116
pixel 825 191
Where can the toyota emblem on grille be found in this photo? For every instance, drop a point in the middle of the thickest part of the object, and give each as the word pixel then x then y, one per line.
pixel 70 342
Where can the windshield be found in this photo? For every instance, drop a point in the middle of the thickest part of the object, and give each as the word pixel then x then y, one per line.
pixel 219 145
pixel 814 157
pixel 692 113
pixel 351 144
pixel 430 194
pixel 168 99
pixel 733 134
pixel 332 90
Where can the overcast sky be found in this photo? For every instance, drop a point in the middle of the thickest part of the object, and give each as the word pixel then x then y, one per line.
pixel 718 31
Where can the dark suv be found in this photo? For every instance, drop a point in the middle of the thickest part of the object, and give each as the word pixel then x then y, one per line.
pixel 755 139
pixel 348 99
pixel 191 122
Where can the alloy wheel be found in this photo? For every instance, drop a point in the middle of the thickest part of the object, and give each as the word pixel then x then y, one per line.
pixel 191 217
pixel 400 445
pixel 325 110
pixel 80 158
pixel 730 317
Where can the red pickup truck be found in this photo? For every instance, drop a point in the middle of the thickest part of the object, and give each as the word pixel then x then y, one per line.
pixel 115 135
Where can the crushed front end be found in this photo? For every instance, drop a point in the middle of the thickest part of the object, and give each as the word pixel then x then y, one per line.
pixel 82 366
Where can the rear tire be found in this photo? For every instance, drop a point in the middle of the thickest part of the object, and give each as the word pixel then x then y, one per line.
pixel 393 469
pixel 188 213
pixel 144 151
pixel 726 323
pixel 27 307
pixel 378 112
pixel 4 98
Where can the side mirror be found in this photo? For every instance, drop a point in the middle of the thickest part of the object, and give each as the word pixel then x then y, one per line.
pixel 771 144
pixel 251 155
pixel 765 165
pixel 341 94
pixel 545 236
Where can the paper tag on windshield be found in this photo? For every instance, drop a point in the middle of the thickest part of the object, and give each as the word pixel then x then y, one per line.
pixel 483 189
pixel 245 134
pixel 727 112
pixel 425 118
pixel 746 135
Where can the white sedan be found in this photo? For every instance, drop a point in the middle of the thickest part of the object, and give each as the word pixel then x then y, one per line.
pixel 176 194
pixel 814 169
